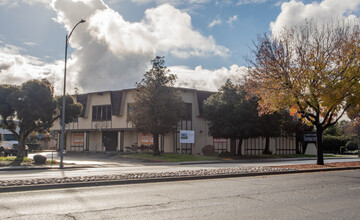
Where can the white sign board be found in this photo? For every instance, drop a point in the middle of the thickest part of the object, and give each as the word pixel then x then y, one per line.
pixel 187 137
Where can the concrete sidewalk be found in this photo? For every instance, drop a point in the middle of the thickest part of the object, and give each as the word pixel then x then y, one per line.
pixel 71 162
pixel 173 172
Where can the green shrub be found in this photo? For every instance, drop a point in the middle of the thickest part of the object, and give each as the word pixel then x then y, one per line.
pixel 351 145
pixel 332 144
pixel 208 150
pixel 39 159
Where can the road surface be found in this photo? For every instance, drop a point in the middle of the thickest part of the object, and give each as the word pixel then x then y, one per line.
pixel 324 195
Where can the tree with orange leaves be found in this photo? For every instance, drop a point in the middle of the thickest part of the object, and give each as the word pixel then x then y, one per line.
pixel 311 69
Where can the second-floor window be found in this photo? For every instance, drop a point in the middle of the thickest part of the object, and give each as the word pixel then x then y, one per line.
pixel 101 113
pixel 187 112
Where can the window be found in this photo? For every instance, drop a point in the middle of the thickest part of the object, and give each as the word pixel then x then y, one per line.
pixel 101 113
pixel 129 108
pixel 187 112
pixel 9 137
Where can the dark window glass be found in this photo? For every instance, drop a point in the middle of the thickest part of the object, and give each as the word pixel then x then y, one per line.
pixel 129 105
pixel 187 112
pixel 101 113
pixel 9 137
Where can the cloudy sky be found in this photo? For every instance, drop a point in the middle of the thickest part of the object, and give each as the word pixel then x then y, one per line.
pixel 204 42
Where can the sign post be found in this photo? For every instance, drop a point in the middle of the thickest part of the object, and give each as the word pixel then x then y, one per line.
pixel 187 137
pixel 309 143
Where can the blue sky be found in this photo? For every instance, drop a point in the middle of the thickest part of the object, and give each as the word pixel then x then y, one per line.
pixel 204 42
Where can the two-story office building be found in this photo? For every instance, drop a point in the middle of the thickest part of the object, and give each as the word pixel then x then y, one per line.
pixel 103 125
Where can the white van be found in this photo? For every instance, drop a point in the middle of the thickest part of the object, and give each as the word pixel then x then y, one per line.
pixel 9 144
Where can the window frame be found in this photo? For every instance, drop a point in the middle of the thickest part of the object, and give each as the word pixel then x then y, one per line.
pixel 101 113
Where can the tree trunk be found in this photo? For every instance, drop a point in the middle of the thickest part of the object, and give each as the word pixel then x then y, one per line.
pixel 298 144
pixel 267 146
pixel 358 139
pixel 239 147
pixel 233 146
pixel 156 145
pixel 319 146
pixel 21 148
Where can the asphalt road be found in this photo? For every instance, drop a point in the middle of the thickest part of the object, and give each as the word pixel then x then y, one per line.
pixel 325 195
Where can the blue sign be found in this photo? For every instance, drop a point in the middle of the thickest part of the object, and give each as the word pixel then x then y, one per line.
pixel 40 136
pixel 310 137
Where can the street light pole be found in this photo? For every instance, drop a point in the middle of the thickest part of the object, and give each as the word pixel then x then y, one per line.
pixel 62 138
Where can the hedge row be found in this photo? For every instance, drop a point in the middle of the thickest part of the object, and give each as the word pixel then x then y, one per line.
pixel 332 144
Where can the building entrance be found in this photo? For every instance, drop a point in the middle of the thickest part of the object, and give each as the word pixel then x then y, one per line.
pixel 110 140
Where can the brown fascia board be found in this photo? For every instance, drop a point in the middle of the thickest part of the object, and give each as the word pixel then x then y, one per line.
pixel 86 108
pixel 83 99
pixel 116 101
pixel 201 97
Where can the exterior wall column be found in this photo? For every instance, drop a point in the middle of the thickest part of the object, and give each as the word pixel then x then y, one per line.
pixel 58 141
pixel 86 141
pixel 118 147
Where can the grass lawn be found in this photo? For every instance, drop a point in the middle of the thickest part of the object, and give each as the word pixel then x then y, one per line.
pixel 168 157
pixel 11 161
pixel 264 156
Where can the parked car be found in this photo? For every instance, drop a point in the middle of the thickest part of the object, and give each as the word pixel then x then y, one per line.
pixel 9 144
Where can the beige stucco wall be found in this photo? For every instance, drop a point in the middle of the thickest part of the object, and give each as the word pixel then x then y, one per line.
pixel 95 141
pixel 169 143
pixel 202 138
pixel 130 138
pixel 199 125
pixel 120 121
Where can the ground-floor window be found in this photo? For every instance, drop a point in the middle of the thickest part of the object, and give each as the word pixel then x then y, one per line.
pixel 220 145
pixel 77 141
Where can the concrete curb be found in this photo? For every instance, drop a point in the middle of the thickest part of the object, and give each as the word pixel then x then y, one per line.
pixel 67 166
pixel 264 160
pixel 156 180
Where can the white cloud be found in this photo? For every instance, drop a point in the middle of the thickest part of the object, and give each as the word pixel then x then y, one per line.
pixel 172 2
pixel 216 21
pixel 109 52
pixel 205 79
pixel 223 3
pixel 112 53
pixel 9 3
pixel 15 3
pixel 31 2
pixel 296 12
pixel 16 69
pixel 31 44
pixel 231 20
pixel 246 2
